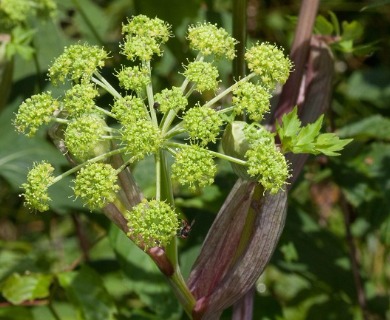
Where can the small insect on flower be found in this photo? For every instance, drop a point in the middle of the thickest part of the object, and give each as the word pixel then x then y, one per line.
pixel 185 229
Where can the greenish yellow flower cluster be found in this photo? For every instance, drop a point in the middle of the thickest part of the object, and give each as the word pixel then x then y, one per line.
pixel 265 162
pixel 96 185
pixel 35 189
pixel 13 12
pixel 172 121
pixel 194 167
pixel 78 63
pixel 152 224
pixel 34 112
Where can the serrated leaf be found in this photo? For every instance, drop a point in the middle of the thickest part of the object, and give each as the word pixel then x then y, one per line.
pixel 19 288
pixel 291 123
pixel 306 136
pixel 329 144
pixel 88 295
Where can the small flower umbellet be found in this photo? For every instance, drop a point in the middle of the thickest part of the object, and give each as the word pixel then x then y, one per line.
pixel 96 185
pixel 78 62
pixel 39 179
pixel 34 112
pixel 194 167
pixel 152 224
pixel 208 39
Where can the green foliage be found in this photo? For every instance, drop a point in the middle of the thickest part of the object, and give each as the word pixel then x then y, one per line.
pixel 308 139
pixel 18 288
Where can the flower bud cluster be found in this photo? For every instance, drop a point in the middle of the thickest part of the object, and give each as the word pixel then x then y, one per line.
pixel 96 185
pixel 78 63
pixel 83 137
pixel 208 39
pixel 34 112
pixel 269 63
pixel 171 99
pixel 265 162
pixel 203 74
pixel 194 167
pixel 14 12
pixel 144 37
pixel 80 99
pixel 152 224
pixel 134 78
pixel 35 189
pixel 202 124
pixel 129 109
pixel 253 99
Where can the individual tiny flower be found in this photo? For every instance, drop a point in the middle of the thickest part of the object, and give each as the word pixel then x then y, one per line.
pixel 209 39
pixel 83 137
pixel 194 167
pixel 253 99
pixel 140 138
pixel 134 78
pixel 204 74
pixel 129 109
pixel 203 124
pixel 96 185
pixel 35 189
pixel 144 37
pixel 152 224
pixel 269 63
pixel 78 62
pixel 80 99
pixel 171 99
pixel 34 112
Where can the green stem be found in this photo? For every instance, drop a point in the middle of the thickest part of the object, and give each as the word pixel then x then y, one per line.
pixel 167 120
pixel 176 280
pixel 149 93
pixel 102 82
pixel 240 34
pixel 215 154
pixel 106 112
pixel 228 90
pixel 93 160
pixel 182 292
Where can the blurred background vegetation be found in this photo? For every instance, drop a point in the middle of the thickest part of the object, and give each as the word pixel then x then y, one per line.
pixel 333 261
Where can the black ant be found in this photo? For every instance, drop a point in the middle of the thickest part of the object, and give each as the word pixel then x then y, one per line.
pixel 185 229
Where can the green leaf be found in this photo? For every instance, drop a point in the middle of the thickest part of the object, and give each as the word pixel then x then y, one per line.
pixel 88 295
pixel 323 26
pixel 19 288
pixel 373 127
pixel 290 123
pixel 352 30
pixel 329 144
pixel 307 139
